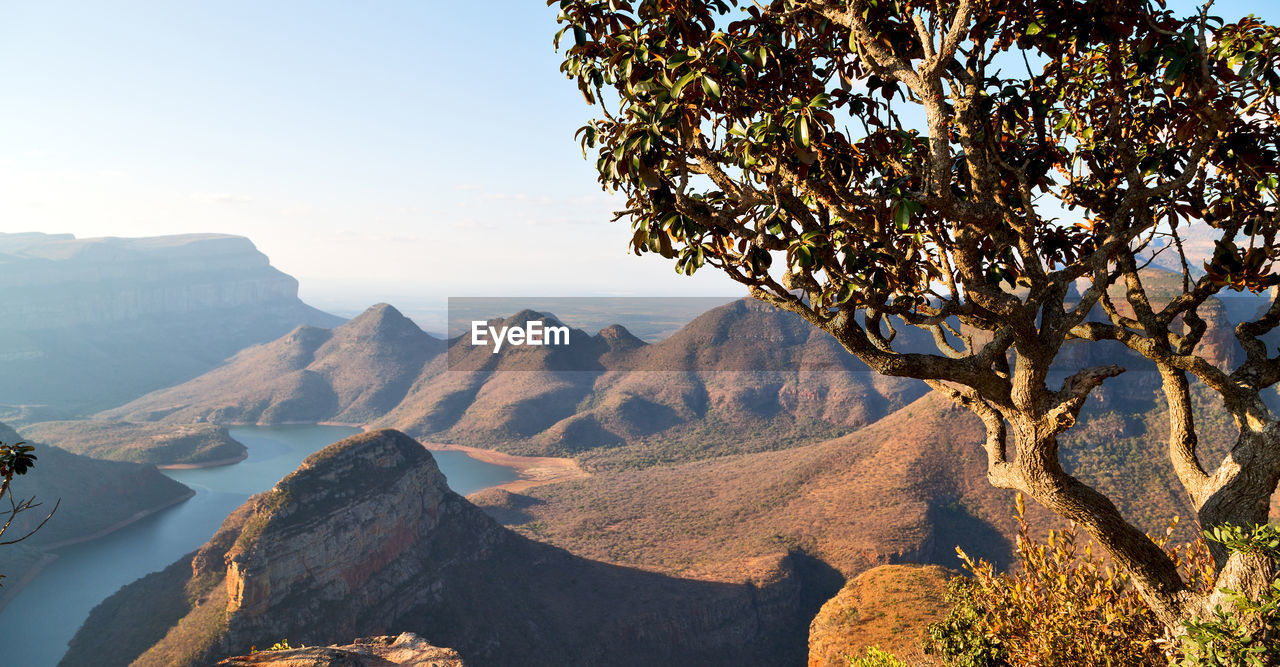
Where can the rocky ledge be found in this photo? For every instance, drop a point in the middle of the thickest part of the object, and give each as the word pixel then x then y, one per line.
pixel 408 650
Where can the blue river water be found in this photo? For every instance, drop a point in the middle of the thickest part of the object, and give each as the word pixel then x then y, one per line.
pixel 45 614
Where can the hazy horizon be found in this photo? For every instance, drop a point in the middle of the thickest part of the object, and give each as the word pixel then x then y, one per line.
pixel 401 152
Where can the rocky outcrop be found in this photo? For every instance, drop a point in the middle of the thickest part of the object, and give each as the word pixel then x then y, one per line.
pixel 408 650
pixel 366 539
pixel 91 323
pixel 886 607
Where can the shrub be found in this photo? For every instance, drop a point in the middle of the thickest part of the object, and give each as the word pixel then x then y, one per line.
pixel 874 656
pixel 1062 605
pixel 1245 633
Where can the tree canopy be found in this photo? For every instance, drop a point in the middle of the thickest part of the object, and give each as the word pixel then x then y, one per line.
pixel 987 171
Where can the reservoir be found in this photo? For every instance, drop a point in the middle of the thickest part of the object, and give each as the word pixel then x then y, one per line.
pixel 43 616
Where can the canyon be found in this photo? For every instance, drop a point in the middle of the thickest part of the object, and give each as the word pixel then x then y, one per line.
pixel 365 538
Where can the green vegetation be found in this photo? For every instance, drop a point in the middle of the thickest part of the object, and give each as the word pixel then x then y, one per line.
pixel 282 645
pixel 161 444
pixel 876 166
pixel 1064 605
pixel 875 657
pixel 1247 631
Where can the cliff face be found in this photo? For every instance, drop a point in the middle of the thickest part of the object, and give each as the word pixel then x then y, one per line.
pixel 54 281
pixel 323 539
pixel 91 323
pixel 367 539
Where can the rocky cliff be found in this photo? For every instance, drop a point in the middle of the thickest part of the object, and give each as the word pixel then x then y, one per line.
pixel 366 538
pixel 91 323
pixel 888 606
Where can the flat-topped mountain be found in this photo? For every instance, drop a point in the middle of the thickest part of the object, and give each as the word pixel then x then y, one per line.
pixel 365 538
pixel 353 373
pixel 91 323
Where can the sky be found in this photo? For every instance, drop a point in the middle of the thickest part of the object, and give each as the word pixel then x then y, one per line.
pixel 401 151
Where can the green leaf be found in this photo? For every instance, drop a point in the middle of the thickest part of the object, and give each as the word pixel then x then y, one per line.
pixel 710 87
pixel 681 83
pixel 903 211
pixel 1176 67
pixel 800 133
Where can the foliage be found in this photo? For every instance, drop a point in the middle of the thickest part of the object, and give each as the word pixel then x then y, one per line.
pixel 958 638
pixel 17 459
pixel 868 164
pixel 1244 633
pixel 874 656
pixel 1063 605
pixel 282 645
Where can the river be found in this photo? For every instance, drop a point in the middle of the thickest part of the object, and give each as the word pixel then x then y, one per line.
pixel 42 618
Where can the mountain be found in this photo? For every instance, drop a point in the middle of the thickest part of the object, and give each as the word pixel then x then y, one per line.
pixel 92 323
pixel 161 444
pixel 353 373
pixel 96 497
pixel 741 377
pixel 366 538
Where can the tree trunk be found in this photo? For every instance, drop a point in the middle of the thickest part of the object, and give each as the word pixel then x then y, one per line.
pixel 1152 571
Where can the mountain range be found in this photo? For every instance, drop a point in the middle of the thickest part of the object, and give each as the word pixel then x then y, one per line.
pixel 744 468
pixel 783 386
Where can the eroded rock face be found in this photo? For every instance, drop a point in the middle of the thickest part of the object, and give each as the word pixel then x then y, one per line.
pixel 366 539
pixel 408 650
pixel 342 542
pixel 887 607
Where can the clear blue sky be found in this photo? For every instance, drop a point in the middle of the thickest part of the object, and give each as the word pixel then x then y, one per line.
pixel 375 150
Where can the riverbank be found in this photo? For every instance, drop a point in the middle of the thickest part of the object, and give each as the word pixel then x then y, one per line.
pixel 11 590
pixel 206 464
pixel 532 470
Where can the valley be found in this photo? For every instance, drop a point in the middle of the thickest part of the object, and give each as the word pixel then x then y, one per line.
pixel 705 492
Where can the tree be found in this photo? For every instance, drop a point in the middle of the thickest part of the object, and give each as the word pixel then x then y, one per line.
pixel 994 172
pixel 17 459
